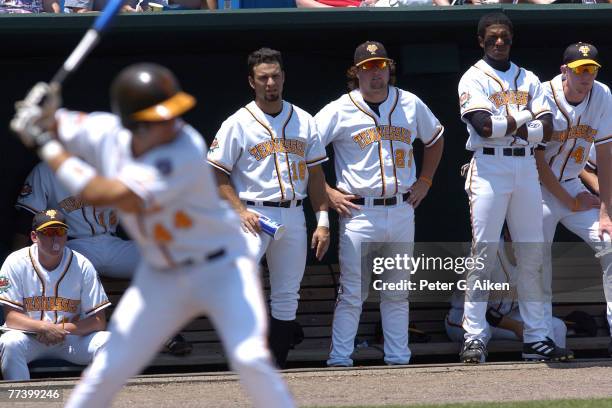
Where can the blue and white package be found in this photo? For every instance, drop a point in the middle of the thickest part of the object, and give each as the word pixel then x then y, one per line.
pixel 272 228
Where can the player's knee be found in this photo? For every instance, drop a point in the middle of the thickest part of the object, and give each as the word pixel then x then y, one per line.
pixel 250 354
pixel 13 344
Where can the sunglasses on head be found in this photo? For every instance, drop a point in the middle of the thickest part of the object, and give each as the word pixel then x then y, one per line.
pixel 53 232
pixel 368 65
pixel 591 69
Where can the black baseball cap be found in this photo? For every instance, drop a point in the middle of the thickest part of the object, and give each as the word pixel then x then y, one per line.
pixel 48 218
pixel 581 54
pixel 368 51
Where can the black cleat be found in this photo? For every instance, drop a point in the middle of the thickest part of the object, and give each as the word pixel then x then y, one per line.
pixel 474 352
pixel 546 350
pixel 178 346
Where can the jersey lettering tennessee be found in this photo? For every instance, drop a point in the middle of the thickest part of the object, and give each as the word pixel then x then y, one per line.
pixel 509 97
pixel 577 128
pixel 375 134
pixel 39 303
pixel 264 149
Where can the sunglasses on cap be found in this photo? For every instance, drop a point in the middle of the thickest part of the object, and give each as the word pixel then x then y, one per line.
pixel 591 69
pixel 53 232
pixel 368 65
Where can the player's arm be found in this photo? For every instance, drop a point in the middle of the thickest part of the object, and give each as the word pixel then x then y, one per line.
pixel 309 4
pixel 431 159
pixel 604 175
pixel 82 179
pixel 48 333
pixel 93 323
pixel 582 202
pixel 318 199
pixel 589 178
pixel 249 220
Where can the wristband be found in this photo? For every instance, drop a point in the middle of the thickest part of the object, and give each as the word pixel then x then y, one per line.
pixel 535 131
pixel 576 205
pixel 50 150
pixel 499 126
pixel 426 180
pixel 75 174
pixel 322 219
pixel 522 117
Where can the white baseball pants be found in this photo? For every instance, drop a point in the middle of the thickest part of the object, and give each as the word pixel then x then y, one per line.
pixel 17 349
pixel 506 187
pixel 286 258
pixel 160 302
pixel 371 224
pixel 585 224
pixel 112 256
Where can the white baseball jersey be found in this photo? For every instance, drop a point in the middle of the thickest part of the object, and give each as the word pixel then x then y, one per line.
pixel 592 160
pixel 42 190
pixel 178 223
pixel 576 128
pixel 373 153
pixel 271 154
pixel 483 88
pixel 72 289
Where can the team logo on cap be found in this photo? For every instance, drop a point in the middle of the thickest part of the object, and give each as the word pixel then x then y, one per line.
pixel 51 214
pixel 372 48
pixel 584 50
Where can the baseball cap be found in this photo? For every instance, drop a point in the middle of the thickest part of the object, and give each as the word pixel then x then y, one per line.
pixel 368 51
pixel 48 218
pixel 580 54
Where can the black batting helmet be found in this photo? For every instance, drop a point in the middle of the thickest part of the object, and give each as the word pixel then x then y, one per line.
pixel 148 93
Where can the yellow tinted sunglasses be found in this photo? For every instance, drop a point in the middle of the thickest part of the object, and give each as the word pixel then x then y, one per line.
pixel 591 69
pixel 368 65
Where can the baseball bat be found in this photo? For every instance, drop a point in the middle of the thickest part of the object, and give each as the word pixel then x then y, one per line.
pixel 89 41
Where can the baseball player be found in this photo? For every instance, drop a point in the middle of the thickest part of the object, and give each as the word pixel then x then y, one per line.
pixel 53 302
pixel 147 162
pixel 91 229
pixel 372 129
pixel 503 313
pixel 507 114
pixel 266 156
pixel 91 232
pixel 582 122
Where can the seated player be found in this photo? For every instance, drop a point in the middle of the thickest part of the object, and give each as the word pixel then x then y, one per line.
pixel 53 302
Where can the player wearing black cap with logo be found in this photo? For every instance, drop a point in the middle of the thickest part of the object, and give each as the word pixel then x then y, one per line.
pixel 582 110
pixel 372 129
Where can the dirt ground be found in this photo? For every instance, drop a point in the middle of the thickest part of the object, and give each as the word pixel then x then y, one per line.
pixel 368 386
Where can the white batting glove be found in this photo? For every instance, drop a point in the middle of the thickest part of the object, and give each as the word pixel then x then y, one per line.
pixel 35 115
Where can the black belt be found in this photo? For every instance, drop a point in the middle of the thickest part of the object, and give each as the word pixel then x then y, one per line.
pixel 283 204
pixel 382 201
pixel 208 258
pixel 508 151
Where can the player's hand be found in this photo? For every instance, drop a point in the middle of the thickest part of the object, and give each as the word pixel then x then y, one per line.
pixel 605 227
pixel 418 191
pixel 35 115
pixel 250 222
pixel 341 202
pixel 586 201
pixel 320 242
pixel 51 334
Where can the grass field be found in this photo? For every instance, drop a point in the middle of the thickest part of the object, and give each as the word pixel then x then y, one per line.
pixel 574 403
